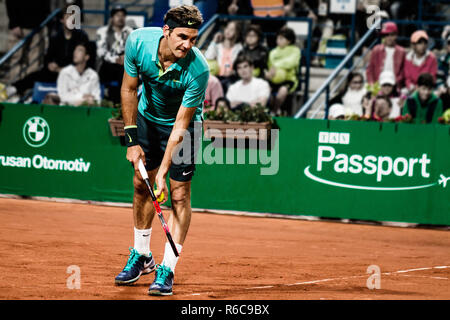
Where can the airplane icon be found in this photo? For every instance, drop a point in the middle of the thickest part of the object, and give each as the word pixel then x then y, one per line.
pixel 443 180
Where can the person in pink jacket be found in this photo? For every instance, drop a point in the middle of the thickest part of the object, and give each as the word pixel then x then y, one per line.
pixel 419 60
pixel 387 56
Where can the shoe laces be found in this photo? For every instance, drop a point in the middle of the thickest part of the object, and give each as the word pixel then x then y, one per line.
pixel 132 258
pixel 162 272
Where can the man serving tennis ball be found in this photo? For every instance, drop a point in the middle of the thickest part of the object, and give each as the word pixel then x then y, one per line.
pixel 174 79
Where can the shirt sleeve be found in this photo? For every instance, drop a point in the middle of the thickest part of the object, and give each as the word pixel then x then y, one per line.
pixel 95 88
pixel 130 57
pixel 264 90
pixel 231 93
pixel 195 93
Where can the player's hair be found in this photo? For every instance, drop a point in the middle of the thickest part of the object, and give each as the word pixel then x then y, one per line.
pixel 184 13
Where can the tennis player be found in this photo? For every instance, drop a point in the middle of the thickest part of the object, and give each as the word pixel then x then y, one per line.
pixel 174 79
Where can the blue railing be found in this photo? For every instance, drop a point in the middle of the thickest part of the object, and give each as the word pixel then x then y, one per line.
pixel 303 81
pixel 106 12
pixel 325 87
pixel 27 39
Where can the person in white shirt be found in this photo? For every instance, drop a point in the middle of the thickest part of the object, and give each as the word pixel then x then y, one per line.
pixel 77 83
pixel 353 97
pixel 248 90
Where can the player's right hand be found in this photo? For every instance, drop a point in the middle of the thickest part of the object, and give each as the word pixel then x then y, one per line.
pixel 134 153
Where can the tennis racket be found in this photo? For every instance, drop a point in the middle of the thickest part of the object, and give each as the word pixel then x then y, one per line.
pixel 144 175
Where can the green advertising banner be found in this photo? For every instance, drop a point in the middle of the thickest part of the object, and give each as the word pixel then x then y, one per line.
pixel 65 152
pixel 335 169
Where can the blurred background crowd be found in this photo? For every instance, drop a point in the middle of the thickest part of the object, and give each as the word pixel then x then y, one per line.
pixel 254 62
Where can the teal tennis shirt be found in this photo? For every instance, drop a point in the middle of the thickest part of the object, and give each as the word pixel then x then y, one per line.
pixel 183 83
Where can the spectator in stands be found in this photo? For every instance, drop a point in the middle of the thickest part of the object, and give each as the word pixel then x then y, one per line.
pixel 444 62
pixel 77 83
pixel 24 16
pixel 387 56
pixel 59 54
pixel 213 92
pixel 423 105
pixel 336 112
pixel 111 41
pixel 271 8
pixel 223 103
pixel 419 60
pixel 235 7
pixel 283 67
pixel 352 95
pixel 382 108
pixel 254 48
pixel 248 90
pixel 223 51
pixel 389 89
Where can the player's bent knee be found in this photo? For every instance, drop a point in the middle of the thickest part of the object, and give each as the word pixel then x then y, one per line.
pixel 180 196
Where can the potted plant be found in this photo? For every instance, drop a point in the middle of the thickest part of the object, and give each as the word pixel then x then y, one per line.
pixel 116 121
pixel 254 122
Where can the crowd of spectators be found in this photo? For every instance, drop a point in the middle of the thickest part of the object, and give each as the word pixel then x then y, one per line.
pixel 400 84
pixel 252 62
pixel 83 70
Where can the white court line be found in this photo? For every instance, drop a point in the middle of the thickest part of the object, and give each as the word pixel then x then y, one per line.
pixel 343 278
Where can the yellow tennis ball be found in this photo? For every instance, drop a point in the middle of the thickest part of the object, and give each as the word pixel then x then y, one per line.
pixel 161 197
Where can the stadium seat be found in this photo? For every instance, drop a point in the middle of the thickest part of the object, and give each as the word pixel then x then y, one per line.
pixel 41 89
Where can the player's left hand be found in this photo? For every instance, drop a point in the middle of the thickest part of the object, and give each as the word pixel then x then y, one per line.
pixel 161 185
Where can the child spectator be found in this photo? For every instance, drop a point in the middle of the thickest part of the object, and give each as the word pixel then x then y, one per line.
pixel 389 89
pixel 336 112
pixel 78 83
pixel 254 48
pixel 423 105
pixel 283 65
pixel 111 41
pixel 248 90
pixel 213 92
pixel 223 50
pixel 387 56
pixel 382 108
pixel 419 60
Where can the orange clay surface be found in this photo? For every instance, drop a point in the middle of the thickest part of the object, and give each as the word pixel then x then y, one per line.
pixel 224 257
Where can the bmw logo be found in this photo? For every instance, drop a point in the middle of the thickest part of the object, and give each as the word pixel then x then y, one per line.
pixel 36 132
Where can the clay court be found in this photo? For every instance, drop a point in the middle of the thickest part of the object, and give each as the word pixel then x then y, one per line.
pixel 224 256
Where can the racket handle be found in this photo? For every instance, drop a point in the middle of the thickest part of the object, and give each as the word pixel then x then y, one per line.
pixel 142 170
pixel 144 175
